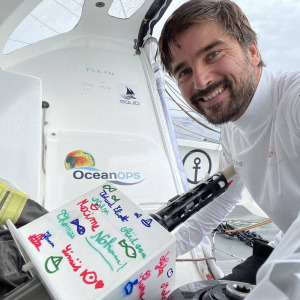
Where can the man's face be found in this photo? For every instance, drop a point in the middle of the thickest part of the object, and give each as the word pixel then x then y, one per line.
pixel 214 74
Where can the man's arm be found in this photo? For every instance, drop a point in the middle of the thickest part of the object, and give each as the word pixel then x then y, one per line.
pixel 192 231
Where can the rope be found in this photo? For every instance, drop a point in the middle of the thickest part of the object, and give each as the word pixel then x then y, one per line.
pixel 238 257
pixel 206 137
pixel 195 137
pixel 249 227
pixel 194 259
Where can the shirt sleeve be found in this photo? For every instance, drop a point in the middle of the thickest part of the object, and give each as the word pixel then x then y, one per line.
pixel 192 231
pixel 293 115
pixel 291 103
pixel 278 278
pixel 16 206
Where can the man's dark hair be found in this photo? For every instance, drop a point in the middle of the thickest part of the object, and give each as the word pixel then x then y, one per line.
pixel 225 13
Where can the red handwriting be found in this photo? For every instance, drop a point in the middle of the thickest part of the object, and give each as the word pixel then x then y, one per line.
pixel 162 264
pixel 87 213
pixel 94 206
pixel 35 239
pixel 68 254
pixel 99 206
pixel 141 284
pixel 164 291
pixel 88 277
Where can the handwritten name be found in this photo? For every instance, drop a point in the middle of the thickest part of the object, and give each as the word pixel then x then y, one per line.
pixel 62 217
pixel 131 236
pixel 92 70
pixel 162 264
pixel 105 196
pixel 87 213
pixel 101 206
pixel 46 237
pixel 67 253
pixel 118 211
pixel 164 291
pixel 141 284
pixel 111 201
pixel 106 242
pixel 88 277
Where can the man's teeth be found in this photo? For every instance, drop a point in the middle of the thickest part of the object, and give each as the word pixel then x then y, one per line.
pixel 214 94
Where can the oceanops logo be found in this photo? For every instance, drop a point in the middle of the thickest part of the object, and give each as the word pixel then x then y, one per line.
pixel 83 166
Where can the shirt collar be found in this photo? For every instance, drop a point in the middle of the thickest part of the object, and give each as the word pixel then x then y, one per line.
pixel 256 114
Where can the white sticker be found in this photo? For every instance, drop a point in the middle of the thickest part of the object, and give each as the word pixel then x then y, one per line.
pixel 128 94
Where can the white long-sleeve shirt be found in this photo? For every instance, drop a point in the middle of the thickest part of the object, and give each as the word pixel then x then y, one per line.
pixel 278 278
pixel 264 145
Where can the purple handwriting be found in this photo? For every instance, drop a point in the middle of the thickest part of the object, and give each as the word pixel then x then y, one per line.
pixel 80 229
pixel 105 196
pixel 118 211
pixel 147 222
pixel 111 200
pixel 46 237
pixel 129 287
pixel 36 239
pixel 170 272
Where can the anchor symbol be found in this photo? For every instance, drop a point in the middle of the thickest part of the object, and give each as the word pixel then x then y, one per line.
pixel 197 162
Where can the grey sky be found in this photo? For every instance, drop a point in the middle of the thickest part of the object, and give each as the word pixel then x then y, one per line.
pixel 277 24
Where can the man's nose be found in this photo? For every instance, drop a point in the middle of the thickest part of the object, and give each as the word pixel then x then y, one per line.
pixel 202 78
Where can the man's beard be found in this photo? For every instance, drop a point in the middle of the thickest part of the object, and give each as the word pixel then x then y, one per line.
pixel 239 98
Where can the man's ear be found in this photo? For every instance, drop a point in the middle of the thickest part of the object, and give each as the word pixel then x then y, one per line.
pixel 254 55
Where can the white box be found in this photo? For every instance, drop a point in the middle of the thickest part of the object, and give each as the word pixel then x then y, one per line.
pixel 100 246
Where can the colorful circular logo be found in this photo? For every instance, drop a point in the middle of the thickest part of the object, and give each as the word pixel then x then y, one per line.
pixel 79 159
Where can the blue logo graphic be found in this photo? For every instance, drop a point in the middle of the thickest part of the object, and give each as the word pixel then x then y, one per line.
pixel 83 165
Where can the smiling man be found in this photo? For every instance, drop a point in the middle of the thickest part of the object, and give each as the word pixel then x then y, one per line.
pixel 217 65
pixel 209 47
pixel 215 75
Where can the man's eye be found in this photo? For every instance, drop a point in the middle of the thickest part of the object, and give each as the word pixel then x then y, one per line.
pixel 212 55
pixel 183 75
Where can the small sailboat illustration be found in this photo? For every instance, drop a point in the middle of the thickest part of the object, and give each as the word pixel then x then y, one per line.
pixel 129 94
